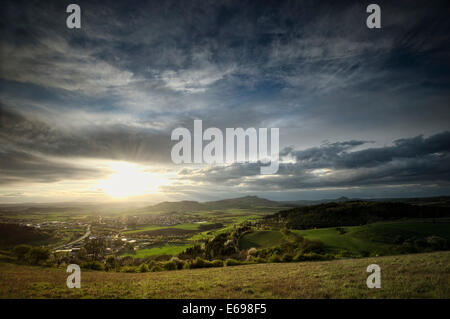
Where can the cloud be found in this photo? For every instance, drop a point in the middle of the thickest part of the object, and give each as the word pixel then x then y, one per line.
pixel 115 142
pixel 115 88
pixel 22 167
pixel 416 160
pixel 52 62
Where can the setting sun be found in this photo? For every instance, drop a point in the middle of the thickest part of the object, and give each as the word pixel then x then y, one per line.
pixel 131 180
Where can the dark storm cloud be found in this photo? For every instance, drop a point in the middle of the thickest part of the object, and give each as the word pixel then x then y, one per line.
pixel 415 160
pixel 335 155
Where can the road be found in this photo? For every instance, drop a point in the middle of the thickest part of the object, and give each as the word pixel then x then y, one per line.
pixel 88 232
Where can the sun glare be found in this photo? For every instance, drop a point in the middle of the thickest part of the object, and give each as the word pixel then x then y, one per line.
pixel 131 180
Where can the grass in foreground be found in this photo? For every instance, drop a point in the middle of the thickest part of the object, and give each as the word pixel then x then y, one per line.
pixel 407 276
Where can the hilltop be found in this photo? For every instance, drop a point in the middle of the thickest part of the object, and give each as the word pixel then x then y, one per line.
pixel 246 202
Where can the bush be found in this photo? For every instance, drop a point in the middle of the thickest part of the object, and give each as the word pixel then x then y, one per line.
pixel 217 263
pixel 408 248
pixel 312 246
pixel 126 261
pixel 156 268
pixel 259 260
pixel 200 263
pixel 437 243
pixel 94 265
pixel 128 269
pixel 170 265
pixel 143 268
pixel 252 251
pixel 179 263
pixel 110 263
pixel 365 253
pixel 232 262
pixel 21 250
pixel 37 254
pixel 312 257
pixel 287 258
pixel 274 259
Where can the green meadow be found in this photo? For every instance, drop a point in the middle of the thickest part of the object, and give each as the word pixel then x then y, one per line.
pixel 167 249
pixel 377 238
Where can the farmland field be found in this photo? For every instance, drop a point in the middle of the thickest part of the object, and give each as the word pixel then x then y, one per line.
pixel 167 249
pixel 406 276
pixel 144 228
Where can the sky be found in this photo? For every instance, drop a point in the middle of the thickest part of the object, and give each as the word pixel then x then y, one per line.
pixel 87 114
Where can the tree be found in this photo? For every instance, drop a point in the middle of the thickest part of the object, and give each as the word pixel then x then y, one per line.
pixel 110 262
pixel 96 247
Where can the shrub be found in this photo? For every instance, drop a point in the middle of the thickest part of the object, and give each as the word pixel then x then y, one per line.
pixel 170 265
pixel 398 239
pixel 37 254
pixel 217 263
pixel 312 257
pixel 232 262
pixel 21 250
pixel 128 269
pixel 156 268
pixel 259 260
pixel 94 265
pixel 143 268
pixel 126 261
pixel 365 253
pixel 274 259
pixel 110 263
pixel 310 246
pixel 179 263
pixel 252 251
pixel 287 258
pixel 200 263
pixel 407 248
pixel 437 242
pixel 420 243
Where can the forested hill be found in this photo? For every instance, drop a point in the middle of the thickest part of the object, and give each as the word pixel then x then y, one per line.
pixel 247 202
pixel 353 213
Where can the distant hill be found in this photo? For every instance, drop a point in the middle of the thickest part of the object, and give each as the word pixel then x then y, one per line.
pixel 441 201
pixel 353 213
pixel 243 203
pixel 306 202
pixel 175 206
pixel 14 234
pixel 246 202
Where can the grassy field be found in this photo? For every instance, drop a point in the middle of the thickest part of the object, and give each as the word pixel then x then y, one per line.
pixel 144 228
pixel 376 238
pixel 407 276
pixel 261 239
pixel 167 249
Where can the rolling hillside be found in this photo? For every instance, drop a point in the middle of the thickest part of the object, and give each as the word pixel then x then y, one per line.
pixel 383 238
pixel 353 213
